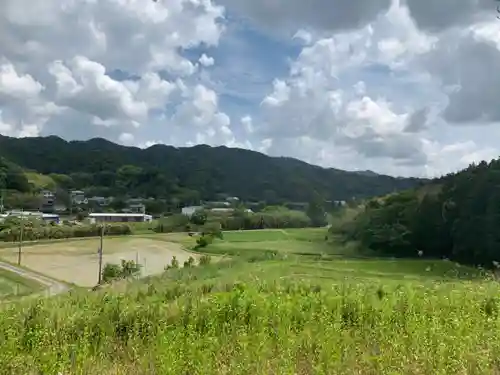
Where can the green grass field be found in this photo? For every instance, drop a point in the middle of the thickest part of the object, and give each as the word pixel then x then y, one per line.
pixel 13 285
pixel 281 302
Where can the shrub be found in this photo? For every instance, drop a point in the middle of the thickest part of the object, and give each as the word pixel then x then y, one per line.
pixel 174 223
pixel 204 260
pixel 126 269
pixel 189 263
pixel 174 264
pixel 110 272
pixel 204 241
pixel 38 230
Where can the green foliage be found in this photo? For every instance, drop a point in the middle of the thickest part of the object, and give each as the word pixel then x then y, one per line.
pixel 456 218
pixel 189 263
pixel 12 177
pixel 316 211
pixel 174 223
pixel 199 217
pixel 34 230
pixel 204 241
pixel 205 260
pixel 174 263
pixel 111 272
pixel 126 269
pixel 281 327
pixel 183 176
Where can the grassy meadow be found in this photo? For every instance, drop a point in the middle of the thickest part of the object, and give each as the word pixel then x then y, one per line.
pixel 13 285
pixel 279 302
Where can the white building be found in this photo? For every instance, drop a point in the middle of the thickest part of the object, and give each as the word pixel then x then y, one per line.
pixel 119 217
pixel 190 210
pixel 32 215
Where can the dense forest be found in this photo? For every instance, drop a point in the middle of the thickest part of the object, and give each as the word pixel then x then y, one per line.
pixel 190 174
pixel 457 217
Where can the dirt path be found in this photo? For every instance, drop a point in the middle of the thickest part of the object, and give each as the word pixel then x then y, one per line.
pixel 52 287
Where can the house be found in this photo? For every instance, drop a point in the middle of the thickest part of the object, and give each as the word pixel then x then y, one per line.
pixel 51 218
pixel 60 207
pixel 107 217
pixel 137 208
pixel 190 210
pixel 78 197
pixel 34 215
pixel 21 213
pixel 220 204
pixel 99 201
pixel 48 200
pixel 229 209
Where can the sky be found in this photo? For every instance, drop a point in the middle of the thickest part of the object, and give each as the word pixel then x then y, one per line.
pixel 402 87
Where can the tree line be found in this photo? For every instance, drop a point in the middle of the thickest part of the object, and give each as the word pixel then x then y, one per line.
pixel 270 218
pixel 181 176
pixel 457 217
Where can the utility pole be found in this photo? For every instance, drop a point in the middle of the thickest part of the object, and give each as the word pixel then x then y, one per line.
pixel 70 205
pixel 21 232
pixel 99 280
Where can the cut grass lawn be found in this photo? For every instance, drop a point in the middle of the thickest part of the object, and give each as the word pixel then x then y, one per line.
pixel 289 314
pixel 13 285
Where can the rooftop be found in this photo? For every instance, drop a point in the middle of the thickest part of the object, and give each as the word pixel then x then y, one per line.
pixel 116 214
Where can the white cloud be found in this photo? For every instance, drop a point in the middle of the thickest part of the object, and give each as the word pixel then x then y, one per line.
pixel 317 112
pixel 378 85
pixel 61 56
pixel 126 139
pixel 206 61
pixel 17 86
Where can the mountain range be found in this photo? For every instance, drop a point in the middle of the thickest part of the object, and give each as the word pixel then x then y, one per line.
pixel 188 174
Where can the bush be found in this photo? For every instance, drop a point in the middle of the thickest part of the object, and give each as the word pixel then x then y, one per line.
pixel 174 223
pixel 174 264
pixel 205 260
pixel 126 269
pixel 38 230
pixel 199 217
pixel 189 263
pixel 204 241
pixel 110 272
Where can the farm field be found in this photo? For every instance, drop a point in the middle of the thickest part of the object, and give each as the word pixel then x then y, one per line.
pixel 76 261
pixel 13 285
pixel 270 308
pixel 304 254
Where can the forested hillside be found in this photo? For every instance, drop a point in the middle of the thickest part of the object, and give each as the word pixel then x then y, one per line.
pixel 457 218
pixel 189 174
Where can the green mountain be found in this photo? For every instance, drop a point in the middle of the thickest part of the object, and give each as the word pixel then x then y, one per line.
pixel 189 174
pixel 456 217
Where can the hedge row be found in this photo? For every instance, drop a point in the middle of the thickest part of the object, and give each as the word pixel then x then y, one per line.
pixel 34 233
pixel 261 220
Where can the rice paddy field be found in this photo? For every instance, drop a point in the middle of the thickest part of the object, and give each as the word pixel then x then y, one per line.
pixel 13 285
pixel 279 302
pixel 76 261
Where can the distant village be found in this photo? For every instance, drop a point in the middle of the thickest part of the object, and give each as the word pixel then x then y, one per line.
pixel 97 209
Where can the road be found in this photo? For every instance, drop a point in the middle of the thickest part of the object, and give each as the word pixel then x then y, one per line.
pixel 52 287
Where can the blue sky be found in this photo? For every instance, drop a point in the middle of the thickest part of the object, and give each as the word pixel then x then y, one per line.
pixel 390 86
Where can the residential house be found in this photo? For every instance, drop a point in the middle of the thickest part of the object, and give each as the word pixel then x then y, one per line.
pixel 229 209
pixel 190 210
pixel 137 208
pixel 99 201
pixel 78 197
pixel 48 200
